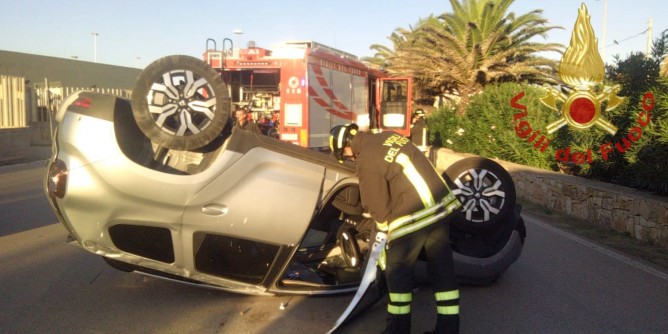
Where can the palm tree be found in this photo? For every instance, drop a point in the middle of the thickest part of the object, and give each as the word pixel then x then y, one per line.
pixel 385 55
pixel 477 44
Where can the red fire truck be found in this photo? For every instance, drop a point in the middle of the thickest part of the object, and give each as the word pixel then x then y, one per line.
pixel 306 88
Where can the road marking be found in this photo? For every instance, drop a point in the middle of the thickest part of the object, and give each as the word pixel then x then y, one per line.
pixel 635 262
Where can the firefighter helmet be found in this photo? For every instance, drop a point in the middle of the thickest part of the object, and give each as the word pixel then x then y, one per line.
pixel 339 138
pixel 418 113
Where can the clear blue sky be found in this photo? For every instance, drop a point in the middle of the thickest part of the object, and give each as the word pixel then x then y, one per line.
pixel 134 33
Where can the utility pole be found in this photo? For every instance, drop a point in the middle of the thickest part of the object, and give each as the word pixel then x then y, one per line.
pixel 95 47
pixel 649 40
pixel 605 19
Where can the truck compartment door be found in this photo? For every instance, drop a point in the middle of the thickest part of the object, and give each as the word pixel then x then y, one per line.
pixel 393 102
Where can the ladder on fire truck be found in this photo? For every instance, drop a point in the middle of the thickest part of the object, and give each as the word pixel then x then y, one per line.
pixel 318 46
pixel 214 57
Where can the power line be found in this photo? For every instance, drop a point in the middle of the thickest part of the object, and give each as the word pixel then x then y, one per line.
pixel 617 42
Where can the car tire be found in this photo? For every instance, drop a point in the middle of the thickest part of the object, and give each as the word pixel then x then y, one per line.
pixel 180 102
pixel 486 191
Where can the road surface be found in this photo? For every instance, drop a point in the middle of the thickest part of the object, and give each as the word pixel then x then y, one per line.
pixel 560 284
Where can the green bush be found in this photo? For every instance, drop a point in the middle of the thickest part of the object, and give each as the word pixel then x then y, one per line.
pixel 644 164
pixel 488 128
pixel 493 128
pixel 639 153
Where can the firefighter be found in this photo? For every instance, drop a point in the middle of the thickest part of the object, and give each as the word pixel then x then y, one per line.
pixel 419 129
pixel 409 201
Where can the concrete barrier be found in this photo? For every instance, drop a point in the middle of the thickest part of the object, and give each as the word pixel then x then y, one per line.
pixel 40 134
pixel 14 145
pixel 637 213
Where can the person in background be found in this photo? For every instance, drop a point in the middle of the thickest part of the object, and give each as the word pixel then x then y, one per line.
pixel 419 130
pixel 242 121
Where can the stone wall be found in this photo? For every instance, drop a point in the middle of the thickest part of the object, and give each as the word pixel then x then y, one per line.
pixel 637 213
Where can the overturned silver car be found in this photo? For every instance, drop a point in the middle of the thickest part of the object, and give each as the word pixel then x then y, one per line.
pixel 236 210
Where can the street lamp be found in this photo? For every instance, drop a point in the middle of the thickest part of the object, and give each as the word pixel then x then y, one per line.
pixel 95 46
pixel 605 22
pixel 238 32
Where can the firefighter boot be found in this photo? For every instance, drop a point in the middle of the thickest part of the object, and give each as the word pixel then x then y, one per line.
pixel 398 324
pixel 447 312
pixel 446 324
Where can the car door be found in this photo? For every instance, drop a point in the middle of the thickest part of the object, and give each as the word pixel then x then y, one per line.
pixel 251 212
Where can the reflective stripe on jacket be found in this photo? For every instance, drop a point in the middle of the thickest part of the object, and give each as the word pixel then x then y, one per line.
pixel 398 184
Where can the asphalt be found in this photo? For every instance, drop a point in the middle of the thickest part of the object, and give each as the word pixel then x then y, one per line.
pixel 38 155
pixel 648 254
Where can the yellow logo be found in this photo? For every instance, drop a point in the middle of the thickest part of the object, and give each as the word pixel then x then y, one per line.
pixel 583 70
pixel 582 102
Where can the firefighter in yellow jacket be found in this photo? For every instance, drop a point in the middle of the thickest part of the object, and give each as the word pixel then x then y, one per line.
pixel 410 201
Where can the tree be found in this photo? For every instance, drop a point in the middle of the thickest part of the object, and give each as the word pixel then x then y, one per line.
pixel 642 166
pixel 381 59
pixel 637 73
pixel 477 44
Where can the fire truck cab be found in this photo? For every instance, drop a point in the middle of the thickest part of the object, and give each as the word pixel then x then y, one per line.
pixel 303 89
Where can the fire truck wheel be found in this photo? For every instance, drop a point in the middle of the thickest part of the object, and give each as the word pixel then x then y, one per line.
pixel 486 191
pixel 180 102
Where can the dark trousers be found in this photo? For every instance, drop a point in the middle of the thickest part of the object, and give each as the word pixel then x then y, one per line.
pixel 401 256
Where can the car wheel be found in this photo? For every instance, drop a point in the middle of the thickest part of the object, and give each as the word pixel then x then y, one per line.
pixel 180 102
pixel 486 191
